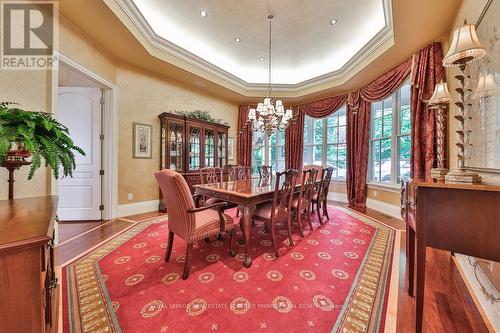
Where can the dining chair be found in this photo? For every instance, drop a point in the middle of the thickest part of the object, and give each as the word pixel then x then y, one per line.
pixel 303 202
pixel 239 172
pixel 321 196
pixel 265 172
pixel 211 175
pixel 279 210
pixel 188 222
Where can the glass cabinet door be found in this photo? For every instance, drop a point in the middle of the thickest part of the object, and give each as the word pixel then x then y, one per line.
pixel 209 148
pixel 176 144
pixel 163 158
pixel 222 150
pixel 194 148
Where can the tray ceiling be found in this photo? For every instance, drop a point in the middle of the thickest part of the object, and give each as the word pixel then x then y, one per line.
pixel 307 49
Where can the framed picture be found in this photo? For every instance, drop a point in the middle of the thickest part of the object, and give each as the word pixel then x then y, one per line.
pixel 142 141
pixel 230 148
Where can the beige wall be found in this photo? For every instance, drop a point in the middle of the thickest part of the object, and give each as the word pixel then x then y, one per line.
pixel 143 96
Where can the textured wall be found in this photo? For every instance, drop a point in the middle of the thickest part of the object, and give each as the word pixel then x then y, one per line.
pixel 143 96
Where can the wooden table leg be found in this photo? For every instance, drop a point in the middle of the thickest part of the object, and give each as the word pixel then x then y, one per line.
pixel 410 258
pixel 420 284
pixel 246 212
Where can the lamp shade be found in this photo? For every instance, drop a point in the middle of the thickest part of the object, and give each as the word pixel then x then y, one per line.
pixel 441 94
pixel 486 86
pixel 465 46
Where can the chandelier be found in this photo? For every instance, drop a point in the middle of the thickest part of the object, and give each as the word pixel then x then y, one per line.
pixel 270 115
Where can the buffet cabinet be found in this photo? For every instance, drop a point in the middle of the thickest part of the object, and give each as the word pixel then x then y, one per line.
pixel 29 288
pixel 188 144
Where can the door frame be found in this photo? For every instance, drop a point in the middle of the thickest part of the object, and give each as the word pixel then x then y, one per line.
pixel 109 195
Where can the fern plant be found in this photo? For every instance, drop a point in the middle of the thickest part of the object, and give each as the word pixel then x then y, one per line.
pixel 41 135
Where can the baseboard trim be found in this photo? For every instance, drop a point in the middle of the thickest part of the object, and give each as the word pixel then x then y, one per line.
pixel 138 208
pixel 384 207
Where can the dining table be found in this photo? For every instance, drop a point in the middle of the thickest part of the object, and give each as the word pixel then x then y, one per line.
pixel 246 195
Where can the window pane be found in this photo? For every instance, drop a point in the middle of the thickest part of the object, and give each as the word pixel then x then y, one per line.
pixel 258 138
pixel 404 170
pixel 385 169
pixel 331 135
pixel 404 120
pixel 257 156
pixel 342 134
pixel 375 150
pixel 317 159
pixel 272 139
pixel 307 157
pixel 387 131
pixel 331 154
pixel 375 171
pixel 332 121
pixel 404 147
pixel 377 128
pixel 405 95
pixel 280 167
pixel 385 151
pixel 376 110
pixel 342 153
pixel 341 172
pixel 318 131
pixel 342 119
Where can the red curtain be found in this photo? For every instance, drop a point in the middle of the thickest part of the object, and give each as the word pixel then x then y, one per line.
pixel 358 125
pixel 428 70
pixel 244 141
pixel 294 136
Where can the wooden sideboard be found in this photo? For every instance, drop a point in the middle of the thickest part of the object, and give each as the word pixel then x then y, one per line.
pixel 461 218
pixel 28 293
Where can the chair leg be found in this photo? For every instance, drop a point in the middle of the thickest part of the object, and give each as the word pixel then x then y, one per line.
pixel 169 245
pixel 325 210
pixel 273 237
pixel 289 224
pixel 232 239
pixel 187 265
pixel 299 222
pixel 308 212
pixel 319 214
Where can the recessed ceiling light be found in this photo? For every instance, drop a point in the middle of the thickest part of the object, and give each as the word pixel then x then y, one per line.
pixel 333 21
pixel 262 58
pixel 203 13
pixel 237 39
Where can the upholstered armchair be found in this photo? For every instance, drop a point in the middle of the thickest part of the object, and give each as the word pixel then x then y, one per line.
pixel 188 222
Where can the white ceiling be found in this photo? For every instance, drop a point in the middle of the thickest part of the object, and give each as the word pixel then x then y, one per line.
pixel 305 46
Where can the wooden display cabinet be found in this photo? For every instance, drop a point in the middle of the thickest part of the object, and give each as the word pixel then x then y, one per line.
pixel 188 144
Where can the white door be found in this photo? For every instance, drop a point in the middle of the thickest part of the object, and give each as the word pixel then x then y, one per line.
pixel 80 195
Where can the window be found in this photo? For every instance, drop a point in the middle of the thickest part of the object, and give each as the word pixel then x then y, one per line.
pixel 268 151
pixel 325 142
pixel 390 142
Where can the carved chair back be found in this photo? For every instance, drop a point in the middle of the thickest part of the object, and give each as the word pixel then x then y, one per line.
pixel 238 172
pixel 211 175
pixel 265 172
pixel 325 184
pixel 283 194
pixel 308 187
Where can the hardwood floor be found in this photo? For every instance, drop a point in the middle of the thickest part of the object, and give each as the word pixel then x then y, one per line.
pixel 448 304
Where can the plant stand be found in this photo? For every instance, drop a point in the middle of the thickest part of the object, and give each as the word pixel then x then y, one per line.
pixel 13 161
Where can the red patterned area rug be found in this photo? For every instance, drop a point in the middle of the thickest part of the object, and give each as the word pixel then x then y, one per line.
pixel 336 279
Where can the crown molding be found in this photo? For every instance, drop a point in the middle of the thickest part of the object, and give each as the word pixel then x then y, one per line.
pixel 164 50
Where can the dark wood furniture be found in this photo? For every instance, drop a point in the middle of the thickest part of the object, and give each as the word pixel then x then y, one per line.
pixel 461 218
pixel 187 145
pixel 280 209
pixel 265 171
pixel 28 293
pixel 303 203
pixel 246 194
pixel 321 196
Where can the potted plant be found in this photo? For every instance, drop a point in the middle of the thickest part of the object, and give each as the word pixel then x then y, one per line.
pixel 36 134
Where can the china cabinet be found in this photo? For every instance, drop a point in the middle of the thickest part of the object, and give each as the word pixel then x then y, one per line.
pixel 188 144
